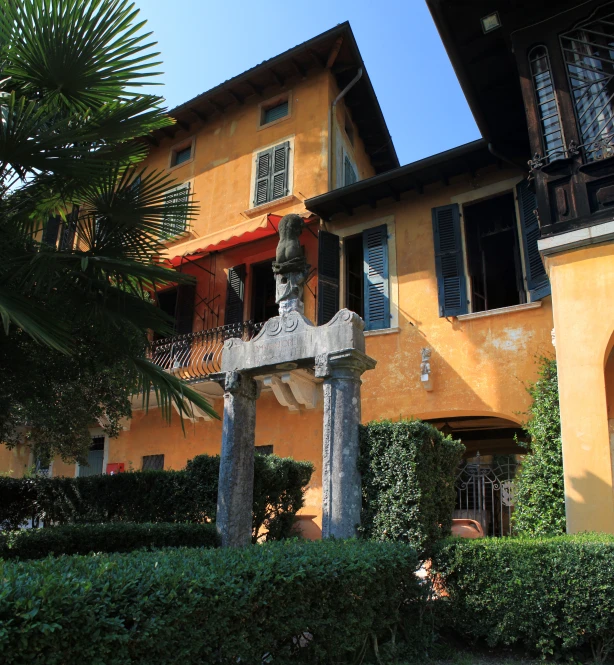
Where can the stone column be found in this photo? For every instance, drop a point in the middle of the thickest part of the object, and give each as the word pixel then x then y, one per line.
pixel 341 487
pixel 235 495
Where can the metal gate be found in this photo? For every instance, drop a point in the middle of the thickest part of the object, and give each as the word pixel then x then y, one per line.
pixel 485 493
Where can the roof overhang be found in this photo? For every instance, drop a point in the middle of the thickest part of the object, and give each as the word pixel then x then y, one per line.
pixel 335 50
pixel 441 168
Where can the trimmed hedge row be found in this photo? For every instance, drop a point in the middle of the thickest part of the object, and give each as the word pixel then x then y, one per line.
pixel 408 470
pixel 189 495
pixel 114 537
pixel 295 601
pixel 552 595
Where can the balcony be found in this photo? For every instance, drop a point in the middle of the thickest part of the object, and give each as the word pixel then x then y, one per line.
pixel 195 356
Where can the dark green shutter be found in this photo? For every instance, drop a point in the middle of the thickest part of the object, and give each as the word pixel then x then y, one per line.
pixel 538 283
pixel 184 309
pixel 51 230
pixel 67 239
pixel 175 216
pixel 349 177
pixel 449 264
pixel 263 177
pixel 234 295
pixel 328 276
pixel 377 296
pixel 279 183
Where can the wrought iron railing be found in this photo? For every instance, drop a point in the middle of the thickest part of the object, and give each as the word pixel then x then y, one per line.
pixel 196 355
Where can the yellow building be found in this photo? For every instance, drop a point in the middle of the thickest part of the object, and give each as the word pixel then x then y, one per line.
pixel 440 257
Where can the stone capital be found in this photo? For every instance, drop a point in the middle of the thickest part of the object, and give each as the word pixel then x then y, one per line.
pixel 348 363
pixel 241 385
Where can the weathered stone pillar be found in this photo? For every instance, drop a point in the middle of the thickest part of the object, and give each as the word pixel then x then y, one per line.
pixel 235 494
pixel 341 487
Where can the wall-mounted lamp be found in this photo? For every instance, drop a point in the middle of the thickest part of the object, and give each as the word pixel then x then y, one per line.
pixel 425 369
pixel 490 22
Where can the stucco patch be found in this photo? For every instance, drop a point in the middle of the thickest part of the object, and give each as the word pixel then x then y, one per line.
pixel 510 339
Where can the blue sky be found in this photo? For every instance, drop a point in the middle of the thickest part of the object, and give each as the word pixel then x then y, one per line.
pixel 204 43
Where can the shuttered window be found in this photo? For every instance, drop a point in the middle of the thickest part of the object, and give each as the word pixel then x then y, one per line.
pixel 235 291
pixel 272 174
pixel 184 309
pixel 69 230
pixel 538 283
pixel 95 458
pixel 153 462
pixel 175 218
pixel 275 113
pixel 376 283
pixel 449 264
pixel 51 230
pixel 328 276
pixel 349 173
pixel 181 156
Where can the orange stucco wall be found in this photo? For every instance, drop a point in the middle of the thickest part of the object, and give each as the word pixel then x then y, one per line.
pixel 582 286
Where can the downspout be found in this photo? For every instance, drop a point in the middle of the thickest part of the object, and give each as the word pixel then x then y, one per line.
pixel 331 116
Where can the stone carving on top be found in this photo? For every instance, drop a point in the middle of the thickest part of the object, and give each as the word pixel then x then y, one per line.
pixel 290 267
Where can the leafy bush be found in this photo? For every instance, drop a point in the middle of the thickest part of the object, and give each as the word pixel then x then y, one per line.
pixel 408 470
pixel 115 537
pixel 540 495
pixel 157 496
pixel 297 601
pixel 550 595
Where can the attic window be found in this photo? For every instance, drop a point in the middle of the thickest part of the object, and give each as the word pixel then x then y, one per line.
pixel 491 22
pixel 181 154
pixel 279 109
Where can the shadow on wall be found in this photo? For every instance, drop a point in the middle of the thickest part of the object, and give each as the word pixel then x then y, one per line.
pixel 592 509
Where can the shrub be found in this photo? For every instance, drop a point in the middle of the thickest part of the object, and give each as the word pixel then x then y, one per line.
pixel 296 601
pixel 408 471
pixel 114 537
pixel 157 496
pixel 549 595
pixel 540 495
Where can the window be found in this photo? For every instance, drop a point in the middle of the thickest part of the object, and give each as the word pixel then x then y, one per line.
pixel 95 458
pixel 176 209
pixel 181 154
pixel 589 59
pixel 486 269
pixel 63 230
pixel 276 112
pixel 153 463
pixel 263 292
pixel 547 107
pixel 366 276
pixel 178 303
pixel 272 176
pixel 235 293
pixel 349 172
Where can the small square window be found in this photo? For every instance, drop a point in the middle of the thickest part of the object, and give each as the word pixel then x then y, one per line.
pixel 181 155
pixel 275 112
pixel 153 462
pixel 491 22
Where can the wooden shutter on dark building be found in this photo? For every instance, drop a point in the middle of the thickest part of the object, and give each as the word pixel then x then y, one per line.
pixel 538 283
pixel 328 276
pixel 51 230
pixel 263 177
pixel 376 290
pixel 279 183
pixel 235 293
pixel 184 309
pixel 449 264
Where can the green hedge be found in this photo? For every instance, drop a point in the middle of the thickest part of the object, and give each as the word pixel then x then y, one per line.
pixel 316 602
pixel 408 470
pixel 550 595
pixel 189 495
pixel 113 537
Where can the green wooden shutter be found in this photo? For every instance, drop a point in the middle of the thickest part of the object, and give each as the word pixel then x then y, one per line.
pixel 67 239
pixel 184 309
pixel 538 283
pixel 377 296
pixel 349 177
pixel 328 276
pixel 235 294
pixel 263 177
pixel 175 217
pixel 449 264
pixel 51 230
pixel 279 183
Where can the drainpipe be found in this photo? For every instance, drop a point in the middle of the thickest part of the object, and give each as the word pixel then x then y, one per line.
pixel 331 116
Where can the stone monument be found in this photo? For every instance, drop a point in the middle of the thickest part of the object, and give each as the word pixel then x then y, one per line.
pixel 332 354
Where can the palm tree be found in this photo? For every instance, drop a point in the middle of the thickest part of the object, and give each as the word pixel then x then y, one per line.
pixel 72 117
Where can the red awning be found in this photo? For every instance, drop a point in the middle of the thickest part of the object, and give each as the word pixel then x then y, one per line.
pixel 238 235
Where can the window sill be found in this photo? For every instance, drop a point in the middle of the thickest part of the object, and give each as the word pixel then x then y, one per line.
pixel 270 205
pixel 382 331
pixel 502 310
